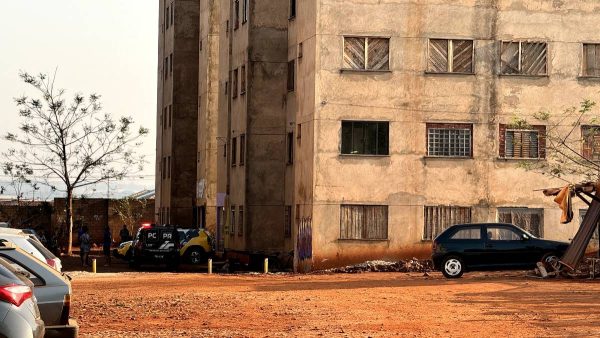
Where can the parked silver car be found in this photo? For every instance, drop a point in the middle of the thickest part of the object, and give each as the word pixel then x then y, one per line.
pixel 19 314
pixel 52 290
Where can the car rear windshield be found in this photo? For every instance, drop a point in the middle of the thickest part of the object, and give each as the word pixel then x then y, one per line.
pixel 8 274
pixel 42 249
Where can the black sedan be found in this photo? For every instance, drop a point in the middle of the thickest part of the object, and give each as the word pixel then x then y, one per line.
pixel 490 246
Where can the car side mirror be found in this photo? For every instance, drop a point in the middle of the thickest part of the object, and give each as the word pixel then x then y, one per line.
pixel 525 237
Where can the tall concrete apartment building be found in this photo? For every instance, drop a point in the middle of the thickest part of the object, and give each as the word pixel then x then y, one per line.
pixel 358 130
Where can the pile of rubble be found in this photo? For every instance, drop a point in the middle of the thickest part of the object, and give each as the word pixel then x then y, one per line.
pixel 413 265
pixel 588 268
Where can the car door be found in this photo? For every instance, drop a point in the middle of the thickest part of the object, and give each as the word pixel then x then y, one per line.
pixel 469 242
pixel 503 246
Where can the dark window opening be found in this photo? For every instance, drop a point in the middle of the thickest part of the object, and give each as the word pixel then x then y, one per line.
pixel 365 138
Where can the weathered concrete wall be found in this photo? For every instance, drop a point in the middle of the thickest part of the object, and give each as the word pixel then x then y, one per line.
pixel 208 111
pixel 179 89
pixel 407 179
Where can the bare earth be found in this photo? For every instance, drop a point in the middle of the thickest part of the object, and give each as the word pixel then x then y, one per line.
pixel 362 305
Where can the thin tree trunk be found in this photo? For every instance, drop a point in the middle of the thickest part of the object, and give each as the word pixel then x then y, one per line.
pixel 69 220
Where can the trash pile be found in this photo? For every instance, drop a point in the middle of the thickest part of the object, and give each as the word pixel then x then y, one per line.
pixel 413 265
pixel 588 268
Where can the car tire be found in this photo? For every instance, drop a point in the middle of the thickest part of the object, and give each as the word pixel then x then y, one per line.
pixel 452 267
pixel 549 260
pixel 196 256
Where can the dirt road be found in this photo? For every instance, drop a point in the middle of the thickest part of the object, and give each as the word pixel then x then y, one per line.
pixel 362 305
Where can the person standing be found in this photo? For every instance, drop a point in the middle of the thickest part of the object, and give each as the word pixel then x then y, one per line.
pixel 85 245
pixel 124 234
pixel 106 244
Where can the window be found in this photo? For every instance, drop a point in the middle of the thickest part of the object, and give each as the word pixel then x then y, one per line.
pixel 591 142
pixel 164 168
pixel 200 45
pixel 226 87
pixel 240 221
pixel 232 223
pixel 291 75
pixel 170 115
pixel 449 140
pixel 582 213
pixel 233 151
pixel 440 217
pixel 166 72
pixel 246 9
pixel 171 64
pixel 467 233
pixel 290 148
pixel 172 13
pixel 243 80
pixel 524 58
pixel 225 150
pixel 165 117
pixel 300 50
pixel 242 149
pixel 370 54
pixel 287 223
pixel 520 143
pixel 530 220
pixel 35 279
pixel 299 132
pixel 368 222
pixel 292 9
pixel 450 56
pixel 234 84
pixel 167 17
pixel 236 9
pixel 365 138
pixel 168 166
pixel 591 59
pixel 500 233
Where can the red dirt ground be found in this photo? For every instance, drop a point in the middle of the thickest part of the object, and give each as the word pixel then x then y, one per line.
pixel 362 305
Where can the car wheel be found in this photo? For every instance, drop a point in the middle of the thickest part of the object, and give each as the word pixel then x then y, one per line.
pixel 550 261
pixel 196 256
pixel 453 267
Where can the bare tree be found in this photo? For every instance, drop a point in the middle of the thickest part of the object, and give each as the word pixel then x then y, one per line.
pixel 19 177
pixel 572 141
pixel 72 141
pixel 131 211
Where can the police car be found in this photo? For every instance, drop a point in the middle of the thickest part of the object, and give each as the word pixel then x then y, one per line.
pixel 154 245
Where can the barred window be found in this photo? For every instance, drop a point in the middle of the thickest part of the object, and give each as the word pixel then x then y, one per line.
pixel 366 138
pixel 440 217
pixel 450 56
pixel 591 59
pixel 591 142
pixel 287 225
pixel 530 220
pixel 361 53
pixel 368 222
pixel 520 143
pixel 449 140
pixel 524 58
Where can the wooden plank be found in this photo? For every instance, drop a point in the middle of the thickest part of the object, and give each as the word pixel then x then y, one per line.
pixel 354 53
pixel 438 56
pixel 378 54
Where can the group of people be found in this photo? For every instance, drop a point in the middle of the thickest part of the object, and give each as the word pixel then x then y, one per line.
pixel 85 243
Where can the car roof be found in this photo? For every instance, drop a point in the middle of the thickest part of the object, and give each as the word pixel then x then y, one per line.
pixel 480 224
pixel 11 231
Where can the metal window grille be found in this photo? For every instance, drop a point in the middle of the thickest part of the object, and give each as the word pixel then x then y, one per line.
pixel 522 144
pixel 369 222
pixel 449 142
pixel 591 142
pixel 524 58
pixel 530 220
pixel 365 138
pixel 450 56
pixel 366 53
pixel 440 217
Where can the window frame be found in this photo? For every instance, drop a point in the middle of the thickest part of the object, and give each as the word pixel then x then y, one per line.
pixel 242 160
pixel 365 206
pixel 583 142
pixel 503 130
pixel 234 85
pixel 240 221
pixel 584 61
pixel 290 148
pixel 291 78
pixel 245 10
pixel 366 70
pixel 444 126
pixel 450 57
pixel 520 59
pixel 243 80
pixel 525 210
pixel 506 145
pixel 236 15
pixel 341 146
pixel 233 151
pixel 293 9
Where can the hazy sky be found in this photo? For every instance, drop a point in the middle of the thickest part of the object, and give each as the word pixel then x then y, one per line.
pixel 104 46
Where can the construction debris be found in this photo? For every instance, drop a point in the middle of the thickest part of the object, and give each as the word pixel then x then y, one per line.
pixel 413 265
pixel 588 268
